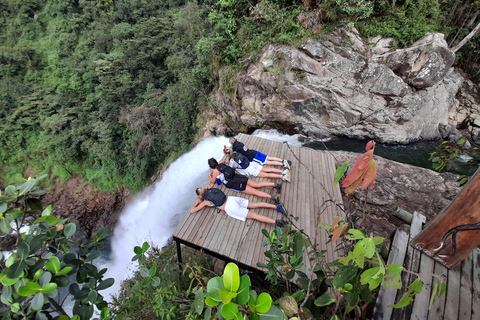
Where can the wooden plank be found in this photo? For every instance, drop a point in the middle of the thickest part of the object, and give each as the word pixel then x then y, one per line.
pixel 386 296
pixel 422 300
pixel 464 209
pixel 465 308
pixel 476 285
pixel 452 299
pixel 438 308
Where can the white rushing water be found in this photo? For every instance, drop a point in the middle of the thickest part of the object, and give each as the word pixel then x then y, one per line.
pixel 153 214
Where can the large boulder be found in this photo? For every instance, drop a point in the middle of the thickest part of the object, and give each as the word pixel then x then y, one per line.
pixel 323 88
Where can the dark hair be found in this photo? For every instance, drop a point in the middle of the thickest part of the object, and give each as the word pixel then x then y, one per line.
pixel 212 163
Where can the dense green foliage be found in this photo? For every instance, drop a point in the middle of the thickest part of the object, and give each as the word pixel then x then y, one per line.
pixel 37 277
pixel 110 90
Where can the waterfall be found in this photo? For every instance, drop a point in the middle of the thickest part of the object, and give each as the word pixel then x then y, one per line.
pixel 153 214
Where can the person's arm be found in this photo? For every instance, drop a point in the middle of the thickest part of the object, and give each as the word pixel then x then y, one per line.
pixel 211 177
pixel 199 205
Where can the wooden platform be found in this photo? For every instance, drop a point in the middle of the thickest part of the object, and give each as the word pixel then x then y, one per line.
pixel 462 299
pixel 310 196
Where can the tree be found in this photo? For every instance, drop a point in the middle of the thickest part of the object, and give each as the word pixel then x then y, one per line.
pixel 44 256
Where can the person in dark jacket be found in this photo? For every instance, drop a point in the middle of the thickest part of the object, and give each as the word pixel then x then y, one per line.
pixel 236 207
pixel 257 156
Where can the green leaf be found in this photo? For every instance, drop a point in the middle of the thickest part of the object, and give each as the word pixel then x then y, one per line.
pixel 344 275
pixel 23 250
pixel 5 225
pixel 263 303
pixel 16 269
pixel 393 276
pixel 92 296
pixel 144 272
pixel 10 190
pixel 243 290
pixel 229 311
pixel 13 213
pixel 47 211
pixel 298 244
pixel 101 234
pixel 199 301
pixel 3 207
pixel 30 289
pixel 103 313
pixel 414 288
pixel 137 250
pixel 227 296
pixel 340 172
pixel 372 277
pixel 49 287
pixel 70 229
pixel 208 314
pixel 25 187
pixel 274 313
pixel 355 234
pixel 152 271
pixel 105 284
pixel 92 256
pixel 324 300
pixel 210 302
pixel 53 265
pixel 145 247
pixel 34 204
pixel 231 277
pixel 37 301
pixel 213 286
pixel 64 271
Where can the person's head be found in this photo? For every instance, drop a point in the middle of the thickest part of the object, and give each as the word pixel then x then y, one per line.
pixel 228 152
pixel 212 163
pixel 200 191
pixel 232 140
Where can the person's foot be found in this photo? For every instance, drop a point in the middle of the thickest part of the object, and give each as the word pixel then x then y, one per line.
pixel 281 209
pixel 281 223
pixel 276 199
pixel 287 163
pixel 278 187
pixel 286 175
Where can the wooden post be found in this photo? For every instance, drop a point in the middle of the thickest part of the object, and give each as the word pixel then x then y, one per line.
pixel 464 211
pixel 179 255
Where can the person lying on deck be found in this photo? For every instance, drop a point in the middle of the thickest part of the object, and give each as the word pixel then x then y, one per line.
pixel 241 183
pixel 253 169
pixel 235 207
pixel 257 156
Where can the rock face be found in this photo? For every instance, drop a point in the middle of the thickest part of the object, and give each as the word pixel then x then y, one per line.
pixel 322 89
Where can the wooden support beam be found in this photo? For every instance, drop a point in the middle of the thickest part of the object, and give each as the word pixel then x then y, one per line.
pixel 464 211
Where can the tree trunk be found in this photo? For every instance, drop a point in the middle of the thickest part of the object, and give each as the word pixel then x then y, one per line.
pixel 467 38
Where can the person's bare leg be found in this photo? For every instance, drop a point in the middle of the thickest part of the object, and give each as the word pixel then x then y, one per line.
pixel 255 192
pixel 273 162
pixel 257 185
pixel 255 216
pixel 269 158
pixel 269 175
pixel 271 170
pixel 258 205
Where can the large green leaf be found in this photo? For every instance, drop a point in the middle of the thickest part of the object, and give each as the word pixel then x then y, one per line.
pixel 49 287
pixel 64 271
pixel 199 301
pixel 340 172
pixel 372 277
pixel 243 290
pixel 23 250
pixel 229 311
pixel 53 265
pixel 26 186
pixel 107 283
pixel 10 190
pixel 344 275
pixel 13 213
pixel 10 282
pixel 3 207
pixel 34 204
pixel 45 279
pixel 324 300
pixel 5 225
pixel 210 302
pixel 16 269
pixel 29 289
pixel 101 234
pixel 231 277
pixel 298 245
pixel 213 286
pixel 92 296
pixel 37 301
pixel 263 303
pixel 47 211
pixel 70 229
pixel 227 296
pixel 92 256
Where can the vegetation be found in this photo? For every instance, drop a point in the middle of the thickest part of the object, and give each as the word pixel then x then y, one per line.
pixel 109 90
pixel 37 276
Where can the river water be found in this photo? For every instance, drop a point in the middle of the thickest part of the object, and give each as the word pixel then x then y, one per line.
pixel 153 214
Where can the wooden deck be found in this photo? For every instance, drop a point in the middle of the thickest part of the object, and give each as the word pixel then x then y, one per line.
pixel 462 299
pixel 308 196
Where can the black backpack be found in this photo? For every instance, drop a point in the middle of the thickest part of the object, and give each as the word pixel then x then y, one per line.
pixel 227 171
pixel 241 160
pixel 216 196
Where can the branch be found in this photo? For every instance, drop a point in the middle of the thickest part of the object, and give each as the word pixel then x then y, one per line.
pixel 467 38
